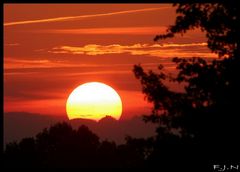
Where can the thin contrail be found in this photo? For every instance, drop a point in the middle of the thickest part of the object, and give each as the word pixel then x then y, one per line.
pixel 79 17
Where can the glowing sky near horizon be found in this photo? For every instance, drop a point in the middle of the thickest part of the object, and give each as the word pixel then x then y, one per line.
pixel 50 49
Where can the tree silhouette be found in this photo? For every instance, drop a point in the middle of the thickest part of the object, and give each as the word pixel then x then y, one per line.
pixel 56 147
pixel 61 146
pixel 206 114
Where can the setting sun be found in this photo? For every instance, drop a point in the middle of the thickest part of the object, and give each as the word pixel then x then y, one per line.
pixel 94 100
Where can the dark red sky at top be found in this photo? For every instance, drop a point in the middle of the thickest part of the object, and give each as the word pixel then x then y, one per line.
pixel 50 49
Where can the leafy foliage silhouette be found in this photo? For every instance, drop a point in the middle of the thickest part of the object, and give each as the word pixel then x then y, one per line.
pixel 205 116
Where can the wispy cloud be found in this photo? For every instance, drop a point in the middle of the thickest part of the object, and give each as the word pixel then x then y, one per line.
pixel 110 30
pixel 158 50
pixel 15 66
pixel 70 18
pixel 11 44
pixel 13 63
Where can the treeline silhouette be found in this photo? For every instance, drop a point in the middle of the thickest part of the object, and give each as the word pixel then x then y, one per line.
pixel 60 146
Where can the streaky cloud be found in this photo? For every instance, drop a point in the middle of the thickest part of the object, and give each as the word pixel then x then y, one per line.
pixel 70 18
pixel 157 50
pixel 147 30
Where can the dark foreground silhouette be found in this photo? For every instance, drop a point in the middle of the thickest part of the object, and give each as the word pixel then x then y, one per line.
pixel 61 146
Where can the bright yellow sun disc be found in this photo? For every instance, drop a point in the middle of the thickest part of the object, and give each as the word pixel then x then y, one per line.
pixel 94 100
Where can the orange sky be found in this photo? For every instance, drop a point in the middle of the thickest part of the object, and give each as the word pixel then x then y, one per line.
pixel 50 49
